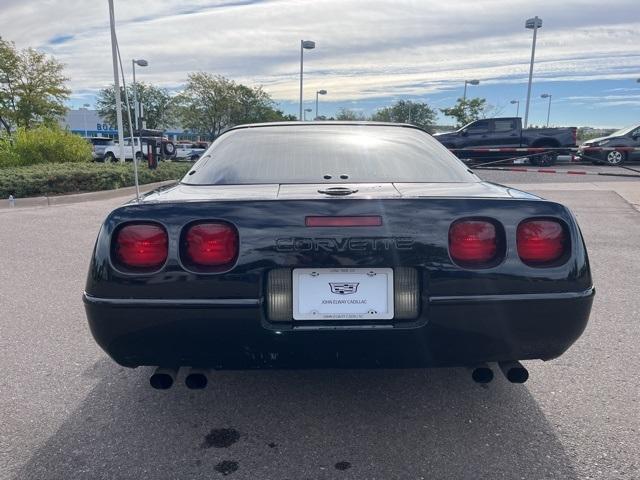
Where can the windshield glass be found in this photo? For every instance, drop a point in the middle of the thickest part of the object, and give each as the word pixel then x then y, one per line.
pixel 624 131
pixel 327 154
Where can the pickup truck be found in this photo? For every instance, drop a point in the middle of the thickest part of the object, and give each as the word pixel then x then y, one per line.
pixel 507 132
pixel 112 152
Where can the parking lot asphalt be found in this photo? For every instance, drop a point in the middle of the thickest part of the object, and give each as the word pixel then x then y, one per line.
pixel 69 412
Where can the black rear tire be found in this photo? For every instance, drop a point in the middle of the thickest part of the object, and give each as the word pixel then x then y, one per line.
pixel 109 158
pixel 544 159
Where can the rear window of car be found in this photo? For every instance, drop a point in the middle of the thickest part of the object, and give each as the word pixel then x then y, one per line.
pixel 101 141
pixel 326 154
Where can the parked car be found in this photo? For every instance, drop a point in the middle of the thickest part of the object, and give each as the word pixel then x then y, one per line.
pixel 508 132
pixel 167 149
pixel 98 146
pixel 332 244
pixel 187 152
pixel 625 138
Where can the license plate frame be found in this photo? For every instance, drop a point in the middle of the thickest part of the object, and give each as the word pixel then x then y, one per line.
pixel 336 294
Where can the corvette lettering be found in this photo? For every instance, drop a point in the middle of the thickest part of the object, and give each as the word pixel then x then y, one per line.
pixel 355 244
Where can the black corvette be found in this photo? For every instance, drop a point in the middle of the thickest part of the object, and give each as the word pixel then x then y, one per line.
pixel 302 245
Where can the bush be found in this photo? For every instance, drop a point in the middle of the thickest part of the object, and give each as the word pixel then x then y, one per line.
pixel 42 145
pixel 52 179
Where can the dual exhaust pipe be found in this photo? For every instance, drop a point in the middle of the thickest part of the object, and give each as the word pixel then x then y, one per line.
pixel 164 378
pixel 515 372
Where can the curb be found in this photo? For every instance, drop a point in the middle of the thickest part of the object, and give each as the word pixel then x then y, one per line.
pixel 81 197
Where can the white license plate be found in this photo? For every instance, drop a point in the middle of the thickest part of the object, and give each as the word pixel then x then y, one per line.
pixel 342 293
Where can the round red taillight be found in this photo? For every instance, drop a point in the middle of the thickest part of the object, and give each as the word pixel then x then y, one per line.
pixel 141 246
pixel 210 245
pixel 473 242
pixel 541 242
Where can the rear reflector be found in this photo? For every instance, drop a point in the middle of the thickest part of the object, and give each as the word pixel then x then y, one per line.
pixel 360 221
pixel 141 246
pixel 473 242
pixel 210 245
pixel 540 242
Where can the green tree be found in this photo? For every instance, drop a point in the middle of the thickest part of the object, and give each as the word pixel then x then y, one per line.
pixel 466 111
pixel 210 104
pixel 345 114
pixel 406 111
pixel 32 87
pixel 158 106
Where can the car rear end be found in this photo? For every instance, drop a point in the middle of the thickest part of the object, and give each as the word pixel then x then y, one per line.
pixel 99 145
pixel 338 274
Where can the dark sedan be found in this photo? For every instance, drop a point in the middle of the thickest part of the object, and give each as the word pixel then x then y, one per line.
pixel 615 149
pixel 304 245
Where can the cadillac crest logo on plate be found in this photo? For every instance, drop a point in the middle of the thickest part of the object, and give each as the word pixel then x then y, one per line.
pixel 344 288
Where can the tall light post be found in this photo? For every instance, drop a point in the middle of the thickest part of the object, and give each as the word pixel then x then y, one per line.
pixel 136 107
pixel 84 118
pixel 533 23
pixel 304 45
pixel 517 104
pixel 547 95
pixel 469 82
pixel 319 92
pixel 116 80
pixel 305 113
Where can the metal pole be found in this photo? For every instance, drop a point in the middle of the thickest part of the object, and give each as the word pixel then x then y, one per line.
pixel 135 105
pixel 548 110
pixel 464 96
pixel 301 67
pixel 84 116
pixel 316 106
pixel 533 56
pixel 116 81
pixel 517 108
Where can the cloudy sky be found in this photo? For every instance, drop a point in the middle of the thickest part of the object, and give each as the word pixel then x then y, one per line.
pixel 369 52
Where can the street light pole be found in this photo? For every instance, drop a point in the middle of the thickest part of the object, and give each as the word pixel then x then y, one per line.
pixel 136 107
pixel 517 104
pixel 533 23
pixel 116 80
pixel 319 92
pixel 468 82
pixel 84 117
pixel 308 45
pixel 547 95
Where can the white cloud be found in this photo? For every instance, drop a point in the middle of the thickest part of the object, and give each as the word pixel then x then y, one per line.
pixel 366 49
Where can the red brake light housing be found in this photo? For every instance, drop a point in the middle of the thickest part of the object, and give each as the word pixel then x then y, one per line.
pixel 476 242
pixel 542 242
pixel 140 247
pixel 209 246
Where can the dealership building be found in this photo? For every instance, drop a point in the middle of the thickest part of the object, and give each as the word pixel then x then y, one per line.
pixel 87 123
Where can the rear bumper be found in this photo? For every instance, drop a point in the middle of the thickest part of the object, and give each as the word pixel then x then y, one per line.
pixel 453 331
